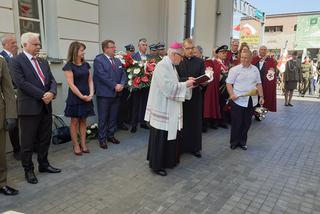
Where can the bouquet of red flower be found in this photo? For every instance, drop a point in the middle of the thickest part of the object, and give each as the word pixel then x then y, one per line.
pixel 139 72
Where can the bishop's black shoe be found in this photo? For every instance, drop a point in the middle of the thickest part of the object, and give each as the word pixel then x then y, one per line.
pixel 133 129
pixel 233 147
pixel 197 154
pixel 244 147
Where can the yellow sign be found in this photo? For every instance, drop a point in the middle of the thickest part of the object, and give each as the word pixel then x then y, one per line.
pixel 250 40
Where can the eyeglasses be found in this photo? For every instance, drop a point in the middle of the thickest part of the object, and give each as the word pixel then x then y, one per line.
pixel 36 44
pixel 180 55
pixel 191 48
pixel 112 47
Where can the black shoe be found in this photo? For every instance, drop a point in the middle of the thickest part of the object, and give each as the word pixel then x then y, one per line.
pixel 8 190
pixel 49 169
pixel 244 147
pixel 113 140
pixel 197 154
pixel 30 177
pixel 103 145
pixel 286 104
pixel 160 172
pixel 204 129
pixel 223 125
pixel 290 105
pixel 17 156
pixel 133 129
pixel 123 127
pixel 233 147
pixel 144 126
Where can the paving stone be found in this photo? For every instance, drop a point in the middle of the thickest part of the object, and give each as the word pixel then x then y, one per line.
pixel 279 173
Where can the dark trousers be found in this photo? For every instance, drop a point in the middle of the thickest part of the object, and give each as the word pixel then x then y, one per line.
pixel 107 117
pixel 14 139
pixel 139 104
pixel 35 132
pixel 124 106
pixel 241 118
pixel 3 163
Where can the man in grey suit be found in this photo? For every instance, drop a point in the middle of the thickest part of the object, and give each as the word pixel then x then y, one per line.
pixel 36 90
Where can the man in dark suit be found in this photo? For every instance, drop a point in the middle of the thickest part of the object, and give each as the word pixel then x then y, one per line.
pixel 140 97
pixel 36 89
pixel 10 49
pixel 109 79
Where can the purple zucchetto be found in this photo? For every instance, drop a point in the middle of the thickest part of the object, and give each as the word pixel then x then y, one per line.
pixel 176 45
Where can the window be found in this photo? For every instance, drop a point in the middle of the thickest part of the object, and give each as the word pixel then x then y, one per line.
pixel 295 28
pixel 273 29
pixel 30 17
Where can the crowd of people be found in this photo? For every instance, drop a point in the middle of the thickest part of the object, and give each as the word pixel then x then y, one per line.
pixel 176 107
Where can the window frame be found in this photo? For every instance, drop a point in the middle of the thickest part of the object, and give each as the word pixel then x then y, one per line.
pixel 17 18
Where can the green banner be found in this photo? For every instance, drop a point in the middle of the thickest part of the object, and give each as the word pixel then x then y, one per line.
pixel 308 32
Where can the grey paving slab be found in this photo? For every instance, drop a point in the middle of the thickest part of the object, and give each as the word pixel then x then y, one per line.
pixel 279 173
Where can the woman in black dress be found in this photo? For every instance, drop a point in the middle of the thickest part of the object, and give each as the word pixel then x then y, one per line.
pixel 79 104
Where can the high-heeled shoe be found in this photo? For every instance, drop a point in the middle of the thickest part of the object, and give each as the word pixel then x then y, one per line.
pixel 77 153
pixel 84 150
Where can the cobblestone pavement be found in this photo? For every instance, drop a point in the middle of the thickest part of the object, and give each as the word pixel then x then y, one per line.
pixel 279 173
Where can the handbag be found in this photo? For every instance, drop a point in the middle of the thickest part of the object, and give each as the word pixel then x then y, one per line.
pixel 61 132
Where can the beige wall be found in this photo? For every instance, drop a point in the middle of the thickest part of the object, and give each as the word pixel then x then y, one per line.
pixel 6 17
pixel 277 40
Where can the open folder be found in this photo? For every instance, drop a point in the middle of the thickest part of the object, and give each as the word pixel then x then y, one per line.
pixel 201 79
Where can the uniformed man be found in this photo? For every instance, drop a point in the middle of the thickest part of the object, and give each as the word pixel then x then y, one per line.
pixel 306 70
pixel 153 51
pixel 8 116
pixel 129 49
pixel 10 49
pixel 162 49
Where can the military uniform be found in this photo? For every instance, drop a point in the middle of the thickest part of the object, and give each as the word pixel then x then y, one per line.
pixel 7 110
pixel 306 71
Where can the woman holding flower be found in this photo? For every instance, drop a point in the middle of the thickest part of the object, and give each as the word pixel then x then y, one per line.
pixel 79 104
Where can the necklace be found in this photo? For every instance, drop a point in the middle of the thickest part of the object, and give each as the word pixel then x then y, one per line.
pixel 290 65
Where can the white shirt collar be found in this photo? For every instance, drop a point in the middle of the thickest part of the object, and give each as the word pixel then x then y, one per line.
pixel 28 55
pixel 9 53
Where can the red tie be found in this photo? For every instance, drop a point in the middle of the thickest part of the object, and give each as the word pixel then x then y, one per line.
pixel 38 70
pixel 112 63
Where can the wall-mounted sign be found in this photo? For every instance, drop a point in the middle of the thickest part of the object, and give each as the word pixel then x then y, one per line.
pixel 247 9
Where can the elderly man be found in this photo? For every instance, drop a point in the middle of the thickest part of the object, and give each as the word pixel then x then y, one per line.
pixel 8 115
pixel 215 97
pixel 233 53
pixel 10 49
pixel 242 79
pixel 267 67
pixel 36 90
pixel 164 111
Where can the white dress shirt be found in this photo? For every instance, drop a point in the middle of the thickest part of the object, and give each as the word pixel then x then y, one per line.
pixel 244 79
pixel 29 56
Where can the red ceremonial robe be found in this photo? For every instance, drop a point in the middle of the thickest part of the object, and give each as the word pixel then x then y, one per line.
pixel 269 81
pixel 211 96
pixel 232 59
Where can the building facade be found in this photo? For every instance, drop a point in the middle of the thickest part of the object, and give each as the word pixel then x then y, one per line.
pixel 293 31
pixel 60 22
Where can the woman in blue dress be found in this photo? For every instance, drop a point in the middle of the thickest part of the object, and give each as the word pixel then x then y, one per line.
pixel 79 103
